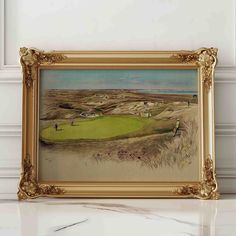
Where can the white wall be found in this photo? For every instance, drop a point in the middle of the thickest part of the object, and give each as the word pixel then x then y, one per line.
pixel 116 25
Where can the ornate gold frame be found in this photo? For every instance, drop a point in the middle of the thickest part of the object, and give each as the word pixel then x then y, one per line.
pixel 32 60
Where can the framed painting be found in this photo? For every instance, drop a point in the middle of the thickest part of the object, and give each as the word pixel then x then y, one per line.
pixel 118 124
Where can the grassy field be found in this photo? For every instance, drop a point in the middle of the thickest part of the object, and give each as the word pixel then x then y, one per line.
pixel 99 128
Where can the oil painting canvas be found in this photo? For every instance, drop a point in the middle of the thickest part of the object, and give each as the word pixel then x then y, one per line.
pixel 119 125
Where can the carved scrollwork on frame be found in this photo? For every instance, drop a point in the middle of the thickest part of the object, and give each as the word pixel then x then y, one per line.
pixel 203 61
pixel 206 58
pixel 29 188
pixel 207 188
pixel 31 58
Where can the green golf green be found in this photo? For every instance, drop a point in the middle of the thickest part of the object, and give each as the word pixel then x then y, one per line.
pixel 104 127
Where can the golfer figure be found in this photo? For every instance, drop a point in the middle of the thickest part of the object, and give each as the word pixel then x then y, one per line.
pixel 176 127
pixel 56 126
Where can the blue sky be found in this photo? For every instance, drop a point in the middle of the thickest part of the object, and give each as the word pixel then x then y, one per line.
pixel 119 79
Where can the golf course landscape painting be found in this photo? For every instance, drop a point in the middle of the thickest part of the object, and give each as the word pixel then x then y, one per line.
pixel 119 125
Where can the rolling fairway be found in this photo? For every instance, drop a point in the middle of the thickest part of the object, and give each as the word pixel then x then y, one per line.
pixel 100 128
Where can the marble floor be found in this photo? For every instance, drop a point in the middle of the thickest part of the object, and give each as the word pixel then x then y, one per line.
pixel 113 217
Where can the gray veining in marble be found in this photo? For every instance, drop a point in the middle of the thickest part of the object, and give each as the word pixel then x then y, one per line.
pixel 113 217
pixel 71 225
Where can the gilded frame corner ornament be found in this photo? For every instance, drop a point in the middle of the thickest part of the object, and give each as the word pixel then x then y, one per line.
pixel 206 58
pixel 29 188
pixel 207 189
pixel 32 60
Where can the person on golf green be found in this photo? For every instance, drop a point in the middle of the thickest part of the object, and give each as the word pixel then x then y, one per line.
pixel 176 128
